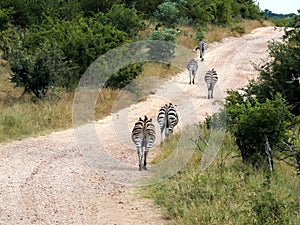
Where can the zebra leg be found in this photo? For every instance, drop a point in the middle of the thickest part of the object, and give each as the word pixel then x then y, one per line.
pixel 145 159
pixel 140 155
pixel 212 90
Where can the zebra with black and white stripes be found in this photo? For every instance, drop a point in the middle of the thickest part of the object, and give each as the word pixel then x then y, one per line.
pixel 211 79
pixel 192 67
pixel 202 46
pixel 143 135
pixel 167 119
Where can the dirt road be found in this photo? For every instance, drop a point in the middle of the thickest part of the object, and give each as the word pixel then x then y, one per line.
pixel 54 180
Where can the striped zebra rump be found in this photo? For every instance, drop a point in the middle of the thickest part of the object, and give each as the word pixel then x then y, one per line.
pixel 143 135
pixel 137 134
pixel 192 67
pixel 149 135
pixel 202 47
pixel 211 79
pixel 172 119
pixel 161 118
pixel 167 119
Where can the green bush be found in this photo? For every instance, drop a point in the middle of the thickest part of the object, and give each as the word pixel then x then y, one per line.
pixel 165 47
pixel 125 19
pixel 238 29
pixel 5 19
pixel 27 13
pixel 79 42
pixel 200 35
pixel 124 76
pixel 281 74
pixel 167 13
pixel 37 70
pixel 253 123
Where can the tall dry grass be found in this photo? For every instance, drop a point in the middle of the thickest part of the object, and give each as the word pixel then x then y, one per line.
pixel 213 33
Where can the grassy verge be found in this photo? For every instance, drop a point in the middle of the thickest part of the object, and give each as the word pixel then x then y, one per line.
pixel 228 192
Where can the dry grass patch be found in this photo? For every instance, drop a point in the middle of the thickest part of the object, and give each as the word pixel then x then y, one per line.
pixel 216 33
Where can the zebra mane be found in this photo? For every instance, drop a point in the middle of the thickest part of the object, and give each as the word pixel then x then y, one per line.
pixel 146 119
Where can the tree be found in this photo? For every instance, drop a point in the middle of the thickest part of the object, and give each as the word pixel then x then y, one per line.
pixel 125 19
pixel 27 13
pixel 145 7
pixel 257 126
pixel 167 13
pixel 283 72
pixel 37 71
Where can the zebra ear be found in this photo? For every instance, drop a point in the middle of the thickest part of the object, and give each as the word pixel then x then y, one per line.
pixel 150 120
pixel 140 119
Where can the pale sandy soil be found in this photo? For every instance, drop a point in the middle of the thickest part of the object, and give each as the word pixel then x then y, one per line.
pixel 69 178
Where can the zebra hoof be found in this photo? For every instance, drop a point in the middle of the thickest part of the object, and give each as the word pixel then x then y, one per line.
pixel 202 59
pixel 140 168
pixel 145 168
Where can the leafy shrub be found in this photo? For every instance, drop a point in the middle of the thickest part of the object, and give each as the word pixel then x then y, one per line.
pixel 5 19
pixel 200 35
pixel 217 120
pixel 124 76
pixel 252 122
pixel 167 13
pixel 79 42
pixel 27 13
pixel 96 6
pixel 238 29
pixel 164 48
pixel 37 70
pixel 125 19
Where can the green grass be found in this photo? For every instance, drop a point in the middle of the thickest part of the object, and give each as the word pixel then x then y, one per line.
pixel 228 192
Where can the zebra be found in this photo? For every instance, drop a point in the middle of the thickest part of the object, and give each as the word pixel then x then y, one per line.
pixel 167 119
pixel 211 79
pixel 202 46
pixel 143 135
pixel 192 67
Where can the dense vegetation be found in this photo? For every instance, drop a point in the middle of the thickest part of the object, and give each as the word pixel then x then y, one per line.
pixel 266 112
pixel 51 43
